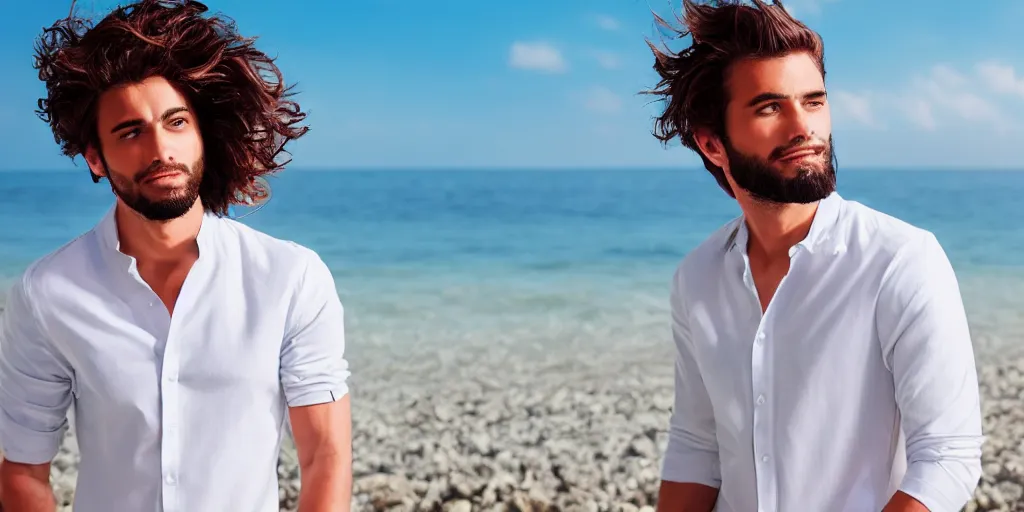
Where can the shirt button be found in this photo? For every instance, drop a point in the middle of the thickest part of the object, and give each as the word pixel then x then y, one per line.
pixel 760 400
pixel 169 479
pixel 760 338
pixel 172 377
pixel 765 458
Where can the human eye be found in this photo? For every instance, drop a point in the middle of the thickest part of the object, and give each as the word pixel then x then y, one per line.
pixel 129 134
pixel 769 109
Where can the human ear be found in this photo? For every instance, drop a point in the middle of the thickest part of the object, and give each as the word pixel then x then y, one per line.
pixel 710 145
pixel 95 162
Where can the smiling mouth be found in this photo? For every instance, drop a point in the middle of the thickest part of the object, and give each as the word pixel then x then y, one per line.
pixel 798 154
pixel 161 175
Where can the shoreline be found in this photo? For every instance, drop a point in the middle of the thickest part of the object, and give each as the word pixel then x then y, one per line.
pixel 591 443
pixel 478 431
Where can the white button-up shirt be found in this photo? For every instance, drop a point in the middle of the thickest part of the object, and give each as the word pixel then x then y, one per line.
pixel 857 381
pixel 181 413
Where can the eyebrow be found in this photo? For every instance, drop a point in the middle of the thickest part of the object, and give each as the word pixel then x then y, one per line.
pixel 138 122
pixel 769 96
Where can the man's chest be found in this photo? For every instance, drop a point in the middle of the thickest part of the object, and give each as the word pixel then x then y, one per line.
pixel 127 347
pixel 815 347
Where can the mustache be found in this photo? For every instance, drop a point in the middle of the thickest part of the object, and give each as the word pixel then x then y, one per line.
pixel 160 167
pixel 815 144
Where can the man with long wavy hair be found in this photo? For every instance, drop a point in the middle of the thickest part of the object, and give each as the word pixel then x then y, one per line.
pixel 824 361
pixel 183 340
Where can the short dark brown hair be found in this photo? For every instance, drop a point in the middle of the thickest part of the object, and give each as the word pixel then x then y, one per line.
pixel 693 80
pixel 237 92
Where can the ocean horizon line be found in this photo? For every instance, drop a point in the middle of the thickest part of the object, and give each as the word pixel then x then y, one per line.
pixel 506 169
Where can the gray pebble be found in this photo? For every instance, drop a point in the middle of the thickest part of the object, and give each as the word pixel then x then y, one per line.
pixel 537 430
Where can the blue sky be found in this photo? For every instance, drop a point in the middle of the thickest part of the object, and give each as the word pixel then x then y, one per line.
pixel 553 83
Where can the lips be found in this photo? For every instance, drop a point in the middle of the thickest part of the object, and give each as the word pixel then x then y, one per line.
pixel 161 174
pixel 797 153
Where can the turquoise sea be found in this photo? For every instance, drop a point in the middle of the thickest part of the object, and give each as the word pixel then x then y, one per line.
pixel 543 257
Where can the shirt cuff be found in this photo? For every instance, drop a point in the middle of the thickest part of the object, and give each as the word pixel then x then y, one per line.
pixel 317 396
pixel 692 466
pixel 935 487
pixel 26 446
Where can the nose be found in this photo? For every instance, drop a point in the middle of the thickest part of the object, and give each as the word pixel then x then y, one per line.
pixel 800 125
pixel 161 149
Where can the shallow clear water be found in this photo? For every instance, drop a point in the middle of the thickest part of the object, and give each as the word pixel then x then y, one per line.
pixel 519 258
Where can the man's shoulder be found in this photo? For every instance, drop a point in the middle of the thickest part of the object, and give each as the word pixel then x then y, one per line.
pixel 264 246
pixel 278 258
pixel 60 267
pixel 883 234
pixel 708 257
pixel 287 267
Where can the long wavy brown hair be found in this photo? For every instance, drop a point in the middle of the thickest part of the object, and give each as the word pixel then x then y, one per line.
pixel 238 93
pixel 693 80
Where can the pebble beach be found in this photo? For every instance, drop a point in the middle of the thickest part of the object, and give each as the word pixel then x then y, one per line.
pixel 503 429
pixel 508 332
pixel 571 438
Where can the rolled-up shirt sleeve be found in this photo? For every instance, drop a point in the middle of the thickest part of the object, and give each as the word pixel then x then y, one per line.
pixel 692 452
pixel 35 384
pixel 313 365
pixel 927 344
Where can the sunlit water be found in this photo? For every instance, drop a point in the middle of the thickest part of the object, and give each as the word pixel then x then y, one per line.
pixel 519 262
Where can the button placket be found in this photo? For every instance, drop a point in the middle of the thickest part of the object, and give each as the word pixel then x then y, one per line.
pixel 760 421
pixel 170 443
pixel 760 373
pixel 764 422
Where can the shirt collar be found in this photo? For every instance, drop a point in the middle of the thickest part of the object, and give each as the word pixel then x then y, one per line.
pixel 822 227
pixel 107 230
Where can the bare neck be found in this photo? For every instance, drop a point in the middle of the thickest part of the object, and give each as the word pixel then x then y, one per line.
pixel 159 242
pixel 774 228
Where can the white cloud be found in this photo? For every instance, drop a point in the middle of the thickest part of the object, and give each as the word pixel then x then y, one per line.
pixel 536 57
pixel 857 107
pixel 1001 78
pixel 602 100
pixel 942 96
pixel 944 74
pixel 607 60
pixel 797 8
pixel 607 22
pixel 949 91
pixel 919 111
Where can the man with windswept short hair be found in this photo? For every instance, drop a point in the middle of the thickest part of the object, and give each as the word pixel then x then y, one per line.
pixel 824 358
pixel 183 340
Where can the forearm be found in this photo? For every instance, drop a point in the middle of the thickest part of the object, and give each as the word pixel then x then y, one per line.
pixel 26 488
pixel 686 497
pixel 326 484
pixel 903 502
